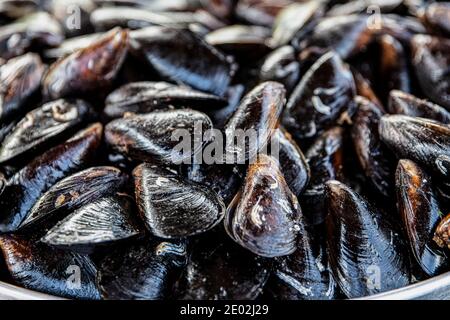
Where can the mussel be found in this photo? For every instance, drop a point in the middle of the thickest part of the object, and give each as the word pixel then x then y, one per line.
pixel 88 69
pixel 325 92
pixel 28 184
pixel 157 135
pixel 99 223
pixel 144 97
pixel 366 250
pixel 39 267
pixel 146 269
pixel 264 216
pixel 173 207
pixel 421 214
pixel 76 191
pixel 20 78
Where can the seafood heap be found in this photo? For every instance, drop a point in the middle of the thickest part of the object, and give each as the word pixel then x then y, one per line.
pixel 98 202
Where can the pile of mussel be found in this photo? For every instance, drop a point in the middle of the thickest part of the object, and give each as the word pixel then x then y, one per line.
pixel 96 201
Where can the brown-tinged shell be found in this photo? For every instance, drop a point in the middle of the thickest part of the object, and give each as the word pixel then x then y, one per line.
pixel 88 69
pixel 264 217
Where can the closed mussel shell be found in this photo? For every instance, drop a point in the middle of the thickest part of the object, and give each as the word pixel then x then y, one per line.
pixel 88 69
pixel 144 97
pixel 374 157
pixel 144 270
pixel 421 215
pixel 39 267
pixel 263 218
pixel 29 184
pixel 436 16
pixel 44 125
pixel 181 56
pixel 429 138
pixel 219 269
pixel 362 243
pixel 75 191
pixel 325 92
pixel 257 116
pixel 20 78
pixel 173 207
pixel 101 222
pixel 409 105
pixel 156 135
pixel 430 59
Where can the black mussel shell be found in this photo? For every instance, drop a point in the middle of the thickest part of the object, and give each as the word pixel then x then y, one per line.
pixel 173 207
pixel 305 274
pixel 157 135
pixel 436 16
pixel 145 270
pixel 88 69
pixel 418 139
pixel 43 126
pixel 367 253
pixel 325 92
pixel 325 159
pixel 281 65
pixel 259 12
pixel 293 19
pixel 219 269
pixel 20 78
pixel 76 191
pixel 394 68
pixel 39 267
pixel 442 233
pixel 346 35
pixel 402 28
pixel 32 31
pixel 257 116
pixel 374 157
pixel 292 161
pixel 100 222
pixel 363 6
pixel 181 56
pixel 420 214
pixel 264 216
pixel 224 179
pixel 430 59
pixel 223 9
pixel 15 9
pixel 364 89
pixel 144 97
pixel 29 184
pixel 409 105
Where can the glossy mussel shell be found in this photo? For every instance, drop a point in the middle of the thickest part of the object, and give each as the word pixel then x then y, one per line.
pixel 76 191
pixel 101 222
pixel 144 270
pixel 157 135
pixel 418 139
pixel 264 218
pixel 88 69
pixel 20 78
pixel 431 58
pixel 39 267
pixel 367 253
pixel 27 185
pixel 44 125
pixel 409 105
pixel 144 97
pixel 181 56
pixel 173 207
pixel 257 115
pixel 324 93
pixel 219 269
pixel 420 212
